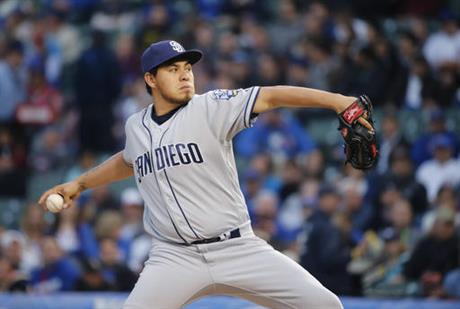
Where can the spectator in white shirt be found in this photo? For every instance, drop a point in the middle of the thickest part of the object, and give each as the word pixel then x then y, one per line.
pixel 132 231
pixel 442 169
pixel 443 47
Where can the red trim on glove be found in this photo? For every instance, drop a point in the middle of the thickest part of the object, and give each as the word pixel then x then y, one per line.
pixel 374 150
pixel 353 112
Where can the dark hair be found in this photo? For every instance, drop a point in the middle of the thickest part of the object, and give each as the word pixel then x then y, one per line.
pixel 147 87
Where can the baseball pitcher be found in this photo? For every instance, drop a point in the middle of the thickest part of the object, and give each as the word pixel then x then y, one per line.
pixel 179 150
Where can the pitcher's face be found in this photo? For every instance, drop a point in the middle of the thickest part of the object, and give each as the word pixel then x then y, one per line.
pixel 174 82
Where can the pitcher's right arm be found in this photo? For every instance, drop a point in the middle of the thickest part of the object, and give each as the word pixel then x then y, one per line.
pixel 113 169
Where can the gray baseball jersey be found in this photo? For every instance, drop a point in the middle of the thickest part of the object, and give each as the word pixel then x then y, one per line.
pixel 185 169
pixel 186 173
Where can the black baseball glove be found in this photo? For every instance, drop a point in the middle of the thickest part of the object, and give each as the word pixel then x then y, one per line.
pixel 356 127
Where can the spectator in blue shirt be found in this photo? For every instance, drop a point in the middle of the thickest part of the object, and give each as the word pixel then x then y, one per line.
pixel 12 80
pixel 59 272
pixel 116 273
pixel 326 253
pixel 421 150
pixel 278 133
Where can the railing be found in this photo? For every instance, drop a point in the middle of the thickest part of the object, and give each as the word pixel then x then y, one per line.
pixel 116 300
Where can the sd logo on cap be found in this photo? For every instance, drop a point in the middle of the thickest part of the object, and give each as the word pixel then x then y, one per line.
pixel 163 51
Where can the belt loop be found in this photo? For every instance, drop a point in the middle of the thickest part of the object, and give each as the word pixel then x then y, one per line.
pixel 235 233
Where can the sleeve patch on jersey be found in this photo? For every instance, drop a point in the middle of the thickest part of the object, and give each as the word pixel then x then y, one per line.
pixel 224 94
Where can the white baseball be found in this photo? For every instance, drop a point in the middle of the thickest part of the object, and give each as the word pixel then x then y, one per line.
pixel 55 202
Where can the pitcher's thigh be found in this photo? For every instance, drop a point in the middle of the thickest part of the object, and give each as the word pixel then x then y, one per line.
pixel 165 287
pixel 271 279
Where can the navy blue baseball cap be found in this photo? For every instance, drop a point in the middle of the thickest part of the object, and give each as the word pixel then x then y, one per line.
pixel 163 51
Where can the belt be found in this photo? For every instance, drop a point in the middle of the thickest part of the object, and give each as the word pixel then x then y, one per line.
pixel 228 235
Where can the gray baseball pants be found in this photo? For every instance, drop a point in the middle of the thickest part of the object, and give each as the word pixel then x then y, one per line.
pixel 245 267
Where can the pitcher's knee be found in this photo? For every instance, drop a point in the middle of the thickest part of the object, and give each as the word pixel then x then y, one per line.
pixel 324 299
pixel 334 302
pixel 330 301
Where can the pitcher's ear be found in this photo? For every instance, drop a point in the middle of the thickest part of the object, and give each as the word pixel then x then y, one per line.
pixel 150 80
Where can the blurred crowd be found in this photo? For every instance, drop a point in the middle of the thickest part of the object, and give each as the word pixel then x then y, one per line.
pixel 70 77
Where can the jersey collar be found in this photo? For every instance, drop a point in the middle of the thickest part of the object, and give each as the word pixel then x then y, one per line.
pixel 163 118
